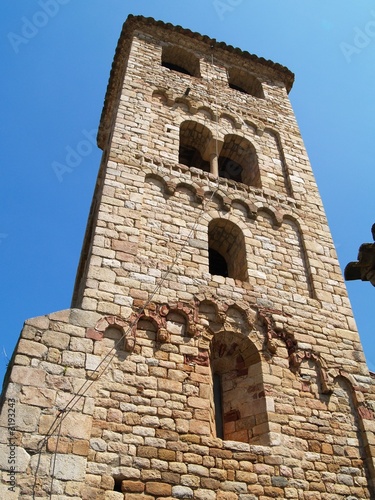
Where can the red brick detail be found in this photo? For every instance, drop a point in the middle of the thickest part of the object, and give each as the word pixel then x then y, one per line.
pixel 202 359
pixel 232 416
pixel 127 247
pixel 91 333
pixel 97 332
pixel 366 413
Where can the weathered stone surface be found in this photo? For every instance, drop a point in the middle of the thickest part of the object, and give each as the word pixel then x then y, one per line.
pixel 182 492
pixel 76 425
pixel 28 376
pixel 27 418
pixel 13 458
pixel 56 339
pixel 69 467
pixel 33 349
pixel 9 492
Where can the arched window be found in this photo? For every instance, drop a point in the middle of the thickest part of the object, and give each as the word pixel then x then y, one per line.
pixel 237 388
pixel 244 82
pixel 238 161
pixel 194 139
pixel 226 249
pixel 178 59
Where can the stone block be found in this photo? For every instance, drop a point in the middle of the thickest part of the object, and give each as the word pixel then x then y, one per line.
pixel 40 322
pixel 32 349
pixel 27 418
pixel 182 492
pixel 86 319
pixel 92 362
pixel 37 396
pixel 13 458
pixel 169 385
pixel 56 339
pixel 28 376
pixel 81 345
pixel 132 486
pixel 62 316
pixel 9 492
pixel 69 467
pixel 76 425
pixel 158 489
pixel 74 359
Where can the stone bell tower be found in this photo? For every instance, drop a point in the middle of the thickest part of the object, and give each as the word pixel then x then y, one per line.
pixel 210 352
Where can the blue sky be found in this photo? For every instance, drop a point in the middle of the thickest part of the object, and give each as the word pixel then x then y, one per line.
pixel 56 57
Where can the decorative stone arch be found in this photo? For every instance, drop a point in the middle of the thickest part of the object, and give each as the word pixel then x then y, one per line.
pixel 157 315
pixel 238 161
pixel 245 207
pixel 284 170
pixel 98 332
pixel 219 201
pixel 233 124
pixel 205 112
pixel 195 193
pixel 255 127
pixel 269 215
pixel 299 356
pixel 294 224
pixel 163 95
pixel 221 315
pixel 156 180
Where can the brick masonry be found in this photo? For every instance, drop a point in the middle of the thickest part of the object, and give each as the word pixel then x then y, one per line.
pixel 115 397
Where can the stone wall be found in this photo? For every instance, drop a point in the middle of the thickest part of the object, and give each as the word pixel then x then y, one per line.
pixel 142 420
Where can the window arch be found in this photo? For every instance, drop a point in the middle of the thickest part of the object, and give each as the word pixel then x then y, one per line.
pixel 194 140
pixel 237 388
pixel 245 82
pixel 178 59
pixel 226 250
pixel 238 161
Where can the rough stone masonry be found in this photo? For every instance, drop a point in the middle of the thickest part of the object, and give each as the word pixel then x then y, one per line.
pixel 210 352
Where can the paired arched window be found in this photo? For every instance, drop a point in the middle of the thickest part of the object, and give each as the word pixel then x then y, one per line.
pixel 226 250
pixel 194 141
pixel 237 160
